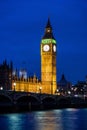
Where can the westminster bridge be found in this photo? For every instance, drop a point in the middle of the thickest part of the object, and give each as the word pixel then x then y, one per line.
pixel 14 100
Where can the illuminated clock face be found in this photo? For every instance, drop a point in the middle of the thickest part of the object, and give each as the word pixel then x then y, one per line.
pixel 54 48
pixel 46 47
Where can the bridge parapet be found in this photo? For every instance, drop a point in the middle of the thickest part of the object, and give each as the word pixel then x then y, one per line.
pixel 15 95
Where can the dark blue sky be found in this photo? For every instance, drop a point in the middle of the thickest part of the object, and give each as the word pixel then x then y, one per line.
pixel 22 24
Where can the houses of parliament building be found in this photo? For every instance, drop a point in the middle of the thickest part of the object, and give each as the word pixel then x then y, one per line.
pixel 48 82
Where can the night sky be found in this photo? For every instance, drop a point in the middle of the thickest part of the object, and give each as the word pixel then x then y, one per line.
pixel 22 25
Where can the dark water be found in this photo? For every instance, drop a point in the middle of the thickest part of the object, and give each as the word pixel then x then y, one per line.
pixel 65 119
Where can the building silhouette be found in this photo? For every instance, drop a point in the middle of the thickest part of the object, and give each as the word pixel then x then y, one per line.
pixel 81 87
pixel 63 85
pixel 6 76
pixel 48 83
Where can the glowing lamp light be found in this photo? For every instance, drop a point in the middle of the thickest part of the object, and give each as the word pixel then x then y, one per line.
pixel 69 92
pixel 1 88
pixel 40 89
pixel 14 85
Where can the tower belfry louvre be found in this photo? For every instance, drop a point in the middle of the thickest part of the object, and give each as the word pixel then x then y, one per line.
pixel 48 83
pixel 48 31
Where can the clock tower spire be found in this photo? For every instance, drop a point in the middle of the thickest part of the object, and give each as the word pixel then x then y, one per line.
pixel 48 61
pixel 48 31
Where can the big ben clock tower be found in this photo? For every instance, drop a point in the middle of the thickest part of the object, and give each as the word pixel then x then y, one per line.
pixel 48 61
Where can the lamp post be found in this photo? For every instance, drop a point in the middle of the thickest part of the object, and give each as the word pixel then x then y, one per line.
pixel 14 85
pixel 40 89
pixel 57 91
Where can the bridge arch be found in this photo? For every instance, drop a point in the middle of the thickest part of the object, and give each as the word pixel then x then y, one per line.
pixel 63 102
pixel 5 98
pixel 49 102
pixel 28 103
pixel 28 98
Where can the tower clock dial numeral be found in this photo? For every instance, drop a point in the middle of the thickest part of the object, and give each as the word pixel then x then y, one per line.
pixel 46 47
pixel 54 48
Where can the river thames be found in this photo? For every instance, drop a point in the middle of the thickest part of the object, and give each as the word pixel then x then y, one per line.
pixel 61 119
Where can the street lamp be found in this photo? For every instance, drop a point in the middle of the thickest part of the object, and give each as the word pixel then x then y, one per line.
pixel 69 92
pixel 1 88
pixel 40 89
pixel 57 91
pixel 14 85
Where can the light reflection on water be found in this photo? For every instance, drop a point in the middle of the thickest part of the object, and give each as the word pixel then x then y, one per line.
pixel 64 119
pixel 49 120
